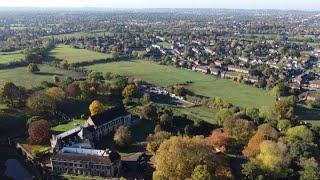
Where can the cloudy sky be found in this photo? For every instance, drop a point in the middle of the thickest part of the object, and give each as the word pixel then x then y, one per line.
pixel 243 4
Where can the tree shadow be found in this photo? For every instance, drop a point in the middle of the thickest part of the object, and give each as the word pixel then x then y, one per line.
pixel 48 74
pixel 305 113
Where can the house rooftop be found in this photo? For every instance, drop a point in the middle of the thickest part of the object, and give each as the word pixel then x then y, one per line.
pixel 109 115
pixel 88 155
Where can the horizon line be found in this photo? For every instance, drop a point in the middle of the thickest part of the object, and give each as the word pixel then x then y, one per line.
pixel 145 8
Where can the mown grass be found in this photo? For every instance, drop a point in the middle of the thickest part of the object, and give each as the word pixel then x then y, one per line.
pixel 73 55
pixel 206 85
pixel 7 57
pixel 198 113
pixel 21 76
pixel 67 126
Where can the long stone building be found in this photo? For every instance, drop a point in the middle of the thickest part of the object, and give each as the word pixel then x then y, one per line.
pixel 74 151
pixel 86 162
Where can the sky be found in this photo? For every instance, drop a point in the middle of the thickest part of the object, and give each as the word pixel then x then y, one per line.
pixel 230 4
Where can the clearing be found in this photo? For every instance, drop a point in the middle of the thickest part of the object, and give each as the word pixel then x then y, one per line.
pixel 205 85
pixel 73 55
pixel 7 57
pixel 21 76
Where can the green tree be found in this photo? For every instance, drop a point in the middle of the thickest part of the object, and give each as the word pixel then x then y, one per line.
pixel 241 130
pixel 222 115
pixel 253 114
pixel 300 132
pixel 284 108
pixel 150 112
pixel 42 104
pixel 201 172
pixel 13 95
pixel 311 169
pixel 284 125
pixel 95 77
pixel 33 68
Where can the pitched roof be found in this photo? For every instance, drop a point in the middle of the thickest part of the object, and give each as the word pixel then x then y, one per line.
pixel 109 115
pixel 113 156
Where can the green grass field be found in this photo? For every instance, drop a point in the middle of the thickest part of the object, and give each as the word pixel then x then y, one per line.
pixel 73 55
pixel 65 127
pixel 21 76
pixel 7 57
pixel 206 85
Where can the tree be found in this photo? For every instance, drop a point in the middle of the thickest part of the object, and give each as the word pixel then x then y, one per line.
pixel 222 115
pixel 155 140
pixel 42 104
pixel 180 91
pixel 149 111
pixel 122 137
pixel 284 125
pixel 284 108
pixel 39 132
pixel 33 68
pixel 146 98
pixel 13 95
pixel 33 119
pixel 300 132
pixel 85 89
pixel 302 149
pixel 64 65
pixel 96 107
pixel 264 132
pixel 56 93
pixel 311 169
pixel 252 170
pixel 177 157
pixel 274 159
pixel 130 91
pixel 73 90
pixel 268 115
pixel 201 172
pixel 95 77
pixel 220 140
pixel 241 130
pixel 253 114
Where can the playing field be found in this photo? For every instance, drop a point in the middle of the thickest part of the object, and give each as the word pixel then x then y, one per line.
pixel 206 85
pixel 73 55
pixel 7 57
pixel 21 76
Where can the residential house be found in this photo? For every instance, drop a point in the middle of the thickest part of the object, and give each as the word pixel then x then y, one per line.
pixel 238 69
pixel 214 71
pixel 315 84
pixel 203 69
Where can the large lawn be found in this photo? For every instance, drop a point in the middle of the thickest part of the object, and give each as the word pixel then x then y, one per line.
pixel 21 76
pixel 67 126
pixel 73 55
pixel 206 85
pixel 7 57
